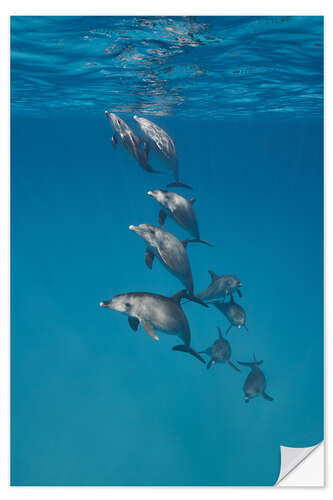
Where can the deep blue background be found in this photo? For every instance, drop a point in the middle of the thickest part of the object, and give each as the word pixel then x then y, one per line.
pixel 94 403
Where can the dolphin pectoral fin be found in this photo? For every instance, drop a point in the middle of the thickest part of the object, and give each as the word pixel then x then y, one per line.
pixel 161 217
pixel 146 150
pixel 189 350
pixel 166 258
pixel 233 366
pixel 239 292
pixel 192 200
pixel 211 363
pixel 220 332
pixel 266 396
pixel 149 258
pixel 228 330
pixel 114 141
pixel 133 323
pixel 148 327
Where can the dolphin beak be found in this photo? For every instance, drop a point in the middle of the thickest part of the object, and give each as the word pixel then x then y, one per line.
pixel 132 228
pixel 150 193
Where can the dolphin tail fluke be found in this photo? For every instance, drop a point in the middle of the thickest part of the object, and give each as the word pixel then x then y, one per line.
pixel 266 396
pixel 189 350
pixel 197 240
pixel 194 298
pixel 179 184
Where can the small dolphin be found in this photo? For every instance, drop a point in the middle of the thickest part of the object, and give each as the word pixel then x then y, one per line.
pixel 221 286
pixel 234 312
pixel 255 384
pixel 159 141
pixel 219 352
pixel 180 209
pixel 132 143
pixel 156 312
pixel 169 250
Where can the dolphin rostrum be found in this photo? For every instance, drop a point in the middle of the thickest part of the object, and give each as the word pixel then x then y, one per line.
pixel 159 141
pixel 131 142
pixel 156 312
pixel 180 209
pixel 169 250
pixel 221 286
pixel 255 384
pixel 232 311
pixel 219 352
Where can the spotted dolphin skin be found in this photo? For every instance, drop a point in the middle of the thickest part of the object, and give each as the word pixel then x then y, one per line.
pixel 159 141
pixel 255 384
pixel 156 312
pixel 219 352
pixel 232 311
pixel 179 209
pixel 221 287
pixel 169 250
pixel 131 142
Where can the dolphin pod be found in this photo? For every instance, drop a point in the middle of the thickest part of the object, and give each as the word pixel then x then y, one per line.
pixel 158 313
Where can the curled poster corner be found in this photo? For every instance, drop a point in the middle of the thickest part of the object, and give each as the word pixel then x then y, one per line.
pixel 291 458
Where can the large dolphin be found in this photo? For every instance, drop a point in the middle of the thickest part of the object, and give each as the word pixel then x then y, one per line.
pixel 255 384
pixel 169 250
pixel 180 209
pixel 221 286
pixel 159 141
pixel 219 352
pixel 233 312
pixel 156 312
pixel 132 143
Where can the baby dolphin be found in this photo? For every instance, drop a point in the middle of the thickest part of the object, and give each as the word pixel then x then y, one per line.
pixel 233 312
pixel 179 209
pixel 255 384
pixel 169 250
pixel 132 143
pixel 221 286
pixel 156 312
pixel 159 141
pixel 219 352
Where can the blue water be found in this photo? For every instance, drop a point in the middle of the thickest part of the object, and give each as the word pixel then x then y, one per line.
pixel 92 402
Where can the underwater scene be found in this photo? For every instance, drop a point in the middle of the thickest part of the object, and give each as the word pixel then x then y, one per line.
pixel 166 248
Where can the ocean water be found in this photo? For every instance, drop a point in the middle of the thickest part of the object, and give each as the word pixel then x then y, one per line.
pixel 92 402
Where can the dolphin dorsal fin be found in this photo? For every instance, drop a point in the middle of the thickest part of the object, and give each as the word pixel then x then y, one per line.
pixel 192 200
pixel 213 275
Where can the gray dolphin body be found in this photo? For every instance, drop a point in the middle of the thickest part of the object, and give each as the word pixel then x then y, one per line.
pixel 155 312
pixel 131 142
pixel 219 352
pixel 255 384
pixel 221 287
pixel 169 250
pixel 159 141
pixel 179 209
pixel 233 312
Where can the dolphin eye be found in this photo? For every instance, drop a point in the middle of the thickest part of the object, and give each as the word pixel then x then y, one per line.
pixel 127 304
pixel 152 231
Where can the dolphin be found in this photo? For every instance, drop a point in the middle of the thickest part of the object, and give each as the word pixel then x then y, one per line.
pixel 169 250
pixel 255 384
pixel 232 311
pixel 219 352
pixel 179 209
pixel 159 141
pixel 156 312
pixel 132 143
pixel 221 286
